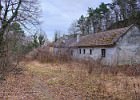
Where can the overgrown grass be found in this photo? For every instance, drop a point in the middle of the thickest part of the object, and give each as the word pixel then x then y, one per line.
pixel 72 80
pixel 18 86
pixel 69 79
pixel 45 56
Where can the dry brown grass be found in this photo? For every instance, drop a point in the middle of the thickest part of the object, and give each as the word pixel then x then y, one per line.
pixel 69 79
pixel 20 84
pixel 72 81
pixel 17 87
pixel 50 77
pixel 43 55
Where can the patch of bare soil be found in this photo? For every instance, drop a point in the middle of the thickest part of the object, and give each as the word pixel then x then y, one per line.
pixel 17 87
pixel 22 85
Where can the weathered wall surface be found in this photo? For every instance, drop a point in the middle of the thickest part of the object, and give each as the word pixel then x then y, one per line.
pixel 62 51
pixel 109 59
pixel 128 47
pixel 126 51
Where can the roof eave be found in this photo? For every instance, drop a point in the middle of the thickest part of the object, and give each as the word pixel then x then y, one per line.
pixel 82 46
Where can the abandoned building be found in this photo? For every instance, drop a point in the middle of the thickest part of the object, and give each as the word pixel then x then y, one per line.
pixel 117 46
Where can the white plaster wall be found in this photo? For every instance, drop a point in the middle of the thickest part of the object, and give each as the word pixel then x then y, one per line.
pixel 110 58
pixel 65 51
pixel 129 47
pixel 126 51
pixel 55 50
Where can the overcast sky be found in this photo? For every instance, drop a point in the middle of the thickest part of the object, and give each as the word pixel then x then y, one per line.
pixel 59 14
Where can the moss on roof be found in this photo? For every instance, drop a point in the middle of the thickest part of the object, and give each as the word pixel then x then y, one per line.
pixel 106 38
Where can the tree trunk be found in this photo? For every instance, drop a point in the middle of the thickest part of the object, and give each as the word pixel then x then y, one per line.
pixel 3 54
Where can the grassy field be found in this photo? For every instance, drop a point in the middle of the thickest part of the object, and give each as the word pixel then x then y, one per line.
pixel 69 81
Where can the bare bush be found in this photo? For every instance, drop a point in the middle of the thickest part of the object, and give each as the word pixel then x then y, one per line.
pixel 91 78
pixel 43 55
pixel 96 67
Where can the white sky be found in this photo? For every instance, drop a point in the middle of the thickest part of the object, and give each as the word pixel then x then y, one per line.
pixel 59 14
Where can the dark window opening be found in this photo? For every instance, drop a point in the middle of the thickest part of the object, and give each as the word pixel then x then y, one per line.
pixel 103 52
pixel 72 52
pixel 90 51
pixel 84 51
pixel 80 51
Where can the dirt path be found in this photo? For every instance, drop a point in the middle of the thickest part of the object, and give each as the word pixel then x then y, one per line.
pixel 38 84
pixel 69 82
pixel 41 87
pixel 27 85
pixel 48 81
pixel 18 87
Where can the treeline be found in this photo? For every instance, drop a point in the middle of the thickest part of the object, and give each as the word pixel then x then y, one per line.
pixel 119 13
pixel 15 14
pixel 18 44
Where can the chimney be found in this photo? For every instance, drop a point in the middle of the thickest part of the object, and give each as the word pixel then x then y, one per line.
pixel 78 38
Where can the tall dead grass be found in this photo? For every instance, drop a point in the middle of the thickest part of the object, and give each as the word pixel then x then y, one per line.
pixel 102 83
pixel 45 56
pixel 97 67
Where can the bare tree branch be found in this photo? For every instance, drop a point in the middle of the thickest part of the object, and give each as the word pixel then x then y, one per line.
pixel 21 11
